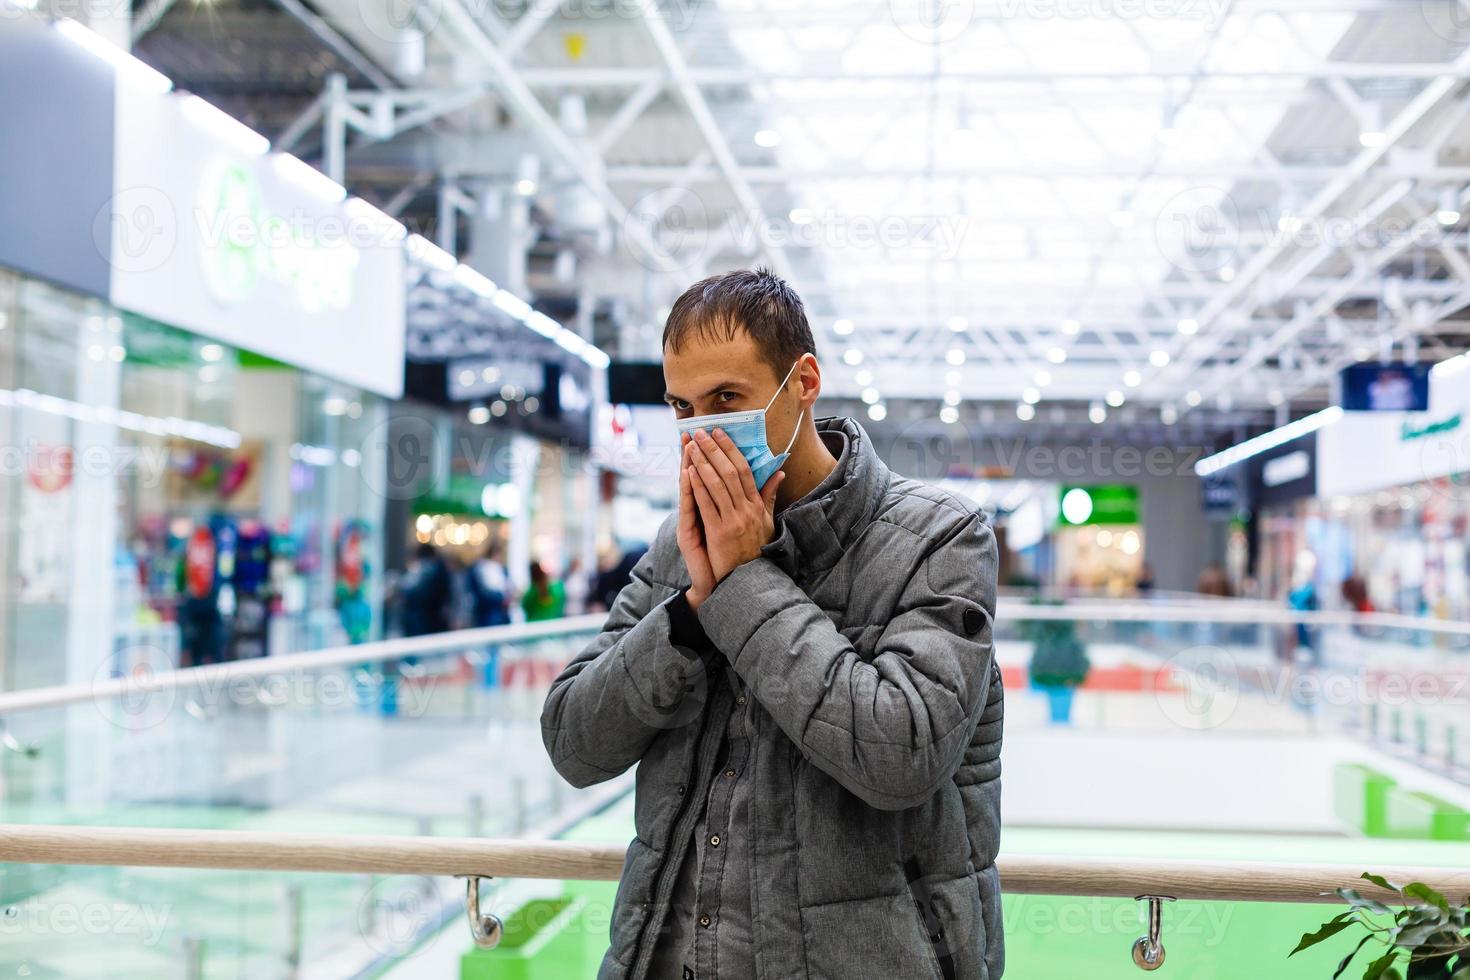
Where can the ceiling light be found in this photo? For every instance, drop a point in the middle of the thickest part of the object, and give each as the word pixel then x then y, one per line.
pixel 955 356
pixel 870 396
pixel 1056 355
pixel 1168 415
pixel 877 412
pixel 1268 440
pixel 842 327
pixel 309 179
pixel 1071 328
pixel 525 187
pixel 863 377
pixel 1372 138
pixel 224 126
pixel 852 356
pixel 1097 414
pixel 1031 396
pixel 1449 208
pixel 952 378
pixel 1115 398
pixel 1193 398
pixel 1275 397
pixel 801 216
pixel 958 324
pixel 211 352
pixel 1289 223
pixel 1227 273
pixel 1189 326
pixel 1158 358
pixel 479 414
pixel 128 66
pixel 1132 378
pixel 334 406
pixel 1042 378
pixel 430 254
pixel 949 415
pixel 1025 412
pixel 767 138
pixel 951 397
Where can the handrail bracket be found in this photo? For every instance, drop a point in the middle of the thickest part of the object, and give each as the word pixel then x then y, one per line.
pixel 1148 951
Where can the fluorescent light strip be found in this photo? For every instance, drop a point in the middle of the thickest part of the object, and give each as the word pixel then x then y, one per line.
pixel 1267 440
pixel 430 254
pixel 472 280
pixel 144 75
pixel 215 435
pixel 392 229
pixel 509 302
pixel 224 126
pixel 309 179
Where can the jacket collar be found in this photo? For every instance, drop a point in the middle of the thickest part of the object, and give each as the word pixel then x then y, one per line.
pixel 814 532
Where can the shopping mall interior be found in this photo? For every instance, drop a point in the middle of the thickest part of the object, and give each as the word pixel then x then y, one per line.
pixel 336 447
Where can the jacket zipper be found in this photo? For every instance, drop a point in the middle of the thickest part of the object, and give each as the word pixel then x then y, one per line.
pixel 929 919
pixel 683 827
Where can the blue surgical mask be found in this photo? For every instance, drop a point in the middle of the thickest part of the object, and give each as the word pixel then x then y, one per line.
pixel 748 431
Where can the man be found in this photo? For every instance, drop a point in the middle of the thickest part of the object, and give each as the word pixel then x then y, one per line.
pixel 802 668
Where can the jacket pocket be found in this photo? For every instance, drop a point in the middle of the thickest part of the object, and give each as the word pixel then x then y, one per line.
pixel 866 939
pixel 949 914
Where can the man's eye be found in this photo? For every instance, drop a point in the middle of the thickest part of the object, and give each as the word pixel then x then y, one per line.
pixel 681 406
pixel 726 396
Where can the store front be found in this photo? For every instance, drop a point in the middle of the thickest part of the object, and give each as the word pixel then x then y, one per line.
pixel 195 437
pixel 1407 515
pixel 1099 541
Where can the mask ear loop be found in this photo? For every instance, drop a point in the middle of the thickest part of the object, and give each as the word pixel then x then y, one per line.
pixel 780 388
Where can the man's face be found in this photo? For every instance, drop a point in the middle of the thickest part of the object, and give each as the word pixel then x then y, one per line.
pixel 711 376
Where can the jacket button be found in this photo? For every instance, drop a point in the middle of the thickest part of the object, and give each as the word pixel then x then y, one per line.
pixel 704 921
pixel 714 840
pixel 680 789
pixel 740 700
pixel 729 773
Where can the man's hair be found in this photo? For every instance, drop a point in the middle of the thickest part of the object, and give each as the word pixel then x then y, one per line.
pixel 757 302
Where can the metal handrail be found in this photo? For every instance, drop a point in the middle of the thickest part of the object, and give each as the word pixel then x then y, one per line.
pixel 1009 610
pixel 365 653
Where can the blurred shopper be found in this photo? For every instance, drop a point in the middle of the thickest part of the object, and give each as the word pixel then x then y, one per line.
pixel 1213 582
pixel 802 669
pixel 546 598
pixel 425 593
pixel 488 584
pixel 578 589
pixel 616 578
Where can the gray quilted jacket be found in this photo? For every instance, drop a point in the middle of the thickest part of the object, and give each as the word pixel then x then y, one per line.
pixel 864 635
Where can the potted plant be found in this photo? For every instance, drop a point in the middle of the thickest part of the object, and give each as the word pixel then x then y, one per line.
pixel 1059 663
pixel 1426 936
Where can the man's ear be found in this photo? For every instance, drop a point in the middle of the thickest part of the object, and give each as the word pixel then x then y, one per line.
pixel 809 374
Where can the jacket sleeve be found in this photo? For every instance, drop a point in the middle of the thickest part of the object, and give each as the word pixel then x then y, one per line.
pixel 630 683
pixel 893 730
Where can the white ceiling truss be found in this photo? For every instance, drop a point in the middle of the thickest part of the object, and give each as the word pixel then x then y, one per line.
pixel 1185 206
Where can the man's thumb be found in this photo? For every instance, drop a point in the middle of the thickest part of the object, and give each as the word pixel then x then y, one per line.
pixel 768 492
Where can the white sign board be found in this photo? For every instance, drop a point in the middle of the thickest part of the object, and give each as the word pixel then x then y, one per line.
pixel 248 250
pixel 1368 451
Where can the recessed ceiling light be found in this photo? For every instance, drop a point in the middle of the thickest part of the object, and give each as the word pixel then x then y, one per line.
pixel 1159 358
pixel 767 138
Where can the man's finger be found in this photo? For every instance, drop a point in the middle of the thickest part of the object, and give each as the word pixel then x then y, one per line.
pixel 707 506
pixel 738 463
pixel 768 492
pixel 717 457
pixel 719 493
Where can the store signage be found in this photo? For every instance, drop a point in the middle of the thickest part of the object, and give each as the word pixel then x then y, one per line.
pixel 1370 451
pixel 247 251
pixel 1220 492
pixel 240 244
pixel 1385 387
pixel 1412 431
pixel 1284 469
pixel 1103 503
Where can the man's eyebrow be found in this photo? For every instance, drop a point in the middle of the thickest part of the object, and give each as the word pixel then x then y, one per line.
pixel 669 396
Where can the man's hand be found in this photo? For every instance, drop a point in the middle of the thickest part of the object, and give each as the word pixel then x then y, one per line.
pixel 691 536
pixel 738 519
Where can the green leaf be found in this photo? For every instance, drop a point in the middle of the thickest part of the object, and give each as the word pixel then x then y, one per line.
pixel 1423 892
pixel 1327 931
pixel 1359 902
pixel 1343 964
pixel 1380 881
pixel 1379 967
